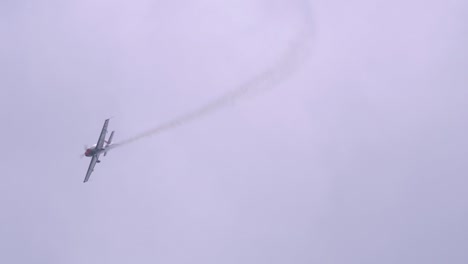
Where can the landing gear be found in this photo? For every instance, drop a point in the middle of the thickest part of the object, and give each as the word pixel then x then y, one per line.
pixel 98 161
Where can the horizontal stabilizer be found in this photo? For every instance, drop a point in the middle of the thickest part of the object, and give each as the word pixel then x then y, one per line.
pixel 109 141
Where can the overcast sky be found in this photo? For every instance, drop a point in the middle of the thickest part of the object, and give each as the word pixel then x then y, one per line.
pixel 358 156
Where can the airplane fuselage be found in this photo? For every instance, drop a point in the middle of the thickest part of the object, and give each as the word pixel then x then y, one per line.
pixel 93 151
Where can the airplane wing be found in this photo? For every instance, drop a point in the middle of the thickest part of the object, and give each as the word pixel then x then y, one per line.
pixel 102 136
pixel 91 167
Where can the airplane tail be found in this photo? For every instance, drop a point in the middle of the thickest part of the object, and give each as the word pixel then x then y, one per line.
pixel 109 141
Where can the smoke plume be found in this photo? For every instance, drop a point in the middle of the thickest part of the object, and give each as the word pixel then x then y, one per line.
pixel 288 63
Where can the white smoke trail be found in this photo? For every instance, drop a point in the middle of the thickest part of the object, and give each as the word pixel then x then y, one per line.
pixel 288 64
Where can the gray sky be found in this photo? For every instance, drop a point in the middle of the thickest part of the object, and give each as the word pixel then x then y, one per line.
pixel 360 156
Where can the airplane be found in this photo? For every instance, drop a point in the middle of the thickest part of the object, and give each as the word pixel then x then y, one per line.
pixel 101 147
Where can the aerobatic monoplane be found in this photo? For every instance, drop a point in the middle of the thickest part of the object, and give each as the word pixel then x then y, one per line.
pixel 101 147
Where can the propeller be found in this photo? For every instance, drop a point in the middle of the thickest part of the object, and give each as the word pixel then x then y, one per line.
pixel 85 148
